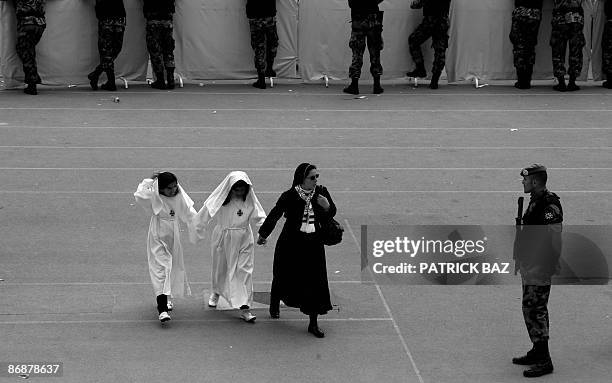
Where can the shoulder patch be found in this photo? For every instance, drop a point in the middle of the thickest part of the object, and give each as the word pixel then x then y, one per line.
pixel 552 214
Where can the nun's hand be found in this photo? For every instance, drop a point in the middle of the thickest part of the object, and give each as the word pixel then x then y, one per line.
pixel 323 202
pixel 261 240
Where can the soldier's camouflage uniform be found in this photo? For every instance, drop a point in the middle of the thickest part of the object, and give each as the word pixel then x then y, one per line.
pixel 110 41
pixel 366 30
pixel 435 24
pixel 264 40
pixel 537 255
pixel 159 28
pixel 606 42
pixel 31 24
pixel 567 29
pixel 524 35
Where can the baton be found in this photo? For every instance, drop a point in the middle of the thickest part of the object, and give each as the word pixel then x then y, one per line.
pixel 519 213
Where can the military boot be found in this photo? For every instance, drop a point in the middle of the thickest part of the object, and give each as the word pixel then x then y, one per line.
pixel 159 81
pixel 170 78
pixel 110 81
pixel 353 88
pixel 377 89
pixel 418 72
pixel 270 72
pixel 524 80
pixel 560 87
pixel 543 365
pixel 94 77
pixel 433 84
pixel 261 81
pixel 571 86
pixel 31 89
pixel 608 83
pixel 527 359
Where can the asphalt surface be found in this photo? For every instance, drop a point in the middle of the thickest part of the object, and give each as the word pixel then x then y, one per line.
pixel 75 285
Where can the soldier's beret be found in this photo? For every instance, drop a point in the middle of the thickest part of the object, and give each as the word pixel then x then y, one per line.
pixel 533 169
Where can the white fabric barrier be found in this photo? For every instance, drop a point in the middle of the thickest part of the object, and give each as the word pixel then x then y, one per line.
pixel 599 20
pixel 480 45
pixel 213 40
pixel 73 23
pixel 324 33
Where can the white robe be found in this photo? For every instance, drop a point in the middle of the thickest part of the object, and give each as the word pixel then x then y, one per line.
pixel 232 242
pixel 164 250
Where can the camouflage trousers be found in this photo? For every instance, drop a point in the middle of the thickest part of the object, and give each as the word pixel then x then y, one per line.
pixel 535 311
pixel 264 41
pixel 110 41
pixel 563 35
pixel 366 32
pixel 437 29
pixel 28 35
pixel 160 44
pixel 524 38
pixel 606 48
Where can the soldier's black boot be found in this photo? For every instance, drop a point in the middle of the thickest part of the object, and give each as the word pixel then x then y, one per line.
pixel 608 84
pixel 433 84
pixel 31 89
pixel 170 78
pixel 110 82
pixel 571 86
pixel 93 78
pixel 159 81
pixel 353 88
pixel 543 365
pixel 377 89
pixel 524 80
pixel 418 72
pixel 270 72
pixel 560 87
pixel 527 359
pixel 261 81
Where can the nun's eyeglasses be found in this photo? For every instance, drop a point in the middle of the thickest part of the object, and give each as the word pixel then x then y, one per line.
pixel 312 178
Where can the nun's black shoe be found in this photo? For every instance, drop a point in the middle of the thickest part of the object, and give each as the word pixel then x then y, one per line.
pixel 316 331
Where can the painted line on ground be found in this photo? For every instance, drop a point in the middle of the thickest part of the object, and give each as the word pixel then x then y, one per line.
pixel 301 128
pixel 49 147
pixel 297 110
pixel 388 309
pixel 131 321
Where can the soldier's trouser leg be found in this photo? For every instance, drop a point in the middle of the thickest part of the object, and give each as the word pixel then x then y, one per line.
pixel 28 35
pixel 110 42
pixel 357 43
pixel 576 43
pixel 535 311
pixel 167 44
pixel 439 44
pixel 271 41
pixel 558 44
pixel 258 43
pixel 417 38
pixel 375 45
pixel 606 49
pixel 154 46
pixel 524 38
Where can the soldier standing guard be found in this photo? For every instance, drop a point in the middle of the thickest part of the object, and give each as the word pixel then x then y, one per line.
pixel 111 26
pixel 264 37
pixel 537 250
pixel 567 27
pixel 606 45
pixel 31 24
pixel 160 43
pixel 366 27
pixel 526 19
pixel 435 25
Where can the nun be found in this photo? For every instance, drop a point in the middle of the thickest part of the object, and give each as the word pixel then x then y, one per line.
pixel 228 214
pixel 299 269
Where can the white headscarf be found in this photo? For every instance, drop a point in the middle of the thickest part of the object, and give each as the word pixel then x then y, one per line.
pixel 214 202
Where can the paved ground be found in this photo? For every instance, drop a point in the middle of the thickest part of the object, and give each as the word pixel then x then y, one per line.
pixel 72 258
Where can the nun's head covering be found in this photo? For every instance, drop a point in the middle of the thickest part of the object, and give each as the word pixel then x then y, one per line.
pixel 214 202
pixel 301 172
pixel 165 179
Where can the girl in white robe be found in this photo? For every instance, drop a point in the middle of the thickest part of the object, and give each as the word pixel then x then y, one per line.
pixel 230 211
pixel 167 202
